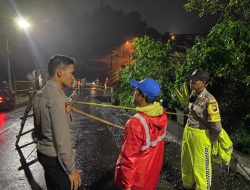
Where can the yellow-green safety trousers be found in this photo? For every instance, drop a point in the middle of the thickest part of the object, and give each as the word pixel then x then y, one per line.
pixel 196 164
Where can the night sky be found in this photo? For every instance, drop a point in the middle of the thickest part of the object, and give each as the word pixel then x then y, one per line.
pixel 166 15
pixel 85 29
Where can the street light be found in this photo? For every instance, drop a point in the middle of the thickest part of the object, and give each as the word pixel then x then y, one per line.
pixel 23 24
pixel 172 37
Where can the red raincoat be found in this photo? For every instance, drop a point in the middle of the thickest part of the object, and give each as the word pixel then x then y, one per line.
pixel 140 161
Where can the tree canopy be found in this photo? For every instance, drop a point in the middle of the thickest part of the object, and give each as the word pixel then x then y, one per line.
pixel 224 52
pixel 233 9
pixel 152 59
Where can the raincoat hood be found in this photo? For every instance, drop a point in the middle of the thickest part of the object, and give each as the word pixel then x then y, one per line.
pixel 155 113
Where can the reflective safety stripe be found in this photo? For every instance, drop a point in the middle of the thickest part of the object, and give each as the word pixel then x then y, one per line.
pixel 149 143
pixel 229 148
pixel 207 168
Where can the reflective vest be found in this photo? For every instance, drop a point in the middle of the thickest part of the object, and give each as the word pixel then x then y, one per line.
pixel 149 143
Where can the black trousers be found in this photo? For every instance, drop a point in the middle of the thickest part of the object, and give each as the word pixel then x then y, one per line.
pixel 55 176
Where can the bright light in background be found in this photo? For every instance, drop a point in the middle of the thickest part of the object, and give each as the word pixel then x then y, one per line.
pixel 172 37
pixel 22 23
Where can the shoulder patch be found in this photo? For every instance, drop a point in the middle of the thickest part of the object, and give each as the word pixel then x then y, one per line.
pixel 67 107
pixel 213 111
pixel 214 105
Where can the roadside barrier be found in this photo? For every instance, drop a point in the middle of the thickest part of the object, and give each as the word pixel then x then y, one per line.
pixel 23 81
pixel 98 86
pixel 93 88
pixel 22 86
pixel 24 90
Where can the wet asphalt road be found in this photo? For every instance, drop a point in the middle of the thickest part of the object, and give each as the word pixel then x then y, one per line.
pixel 97 148
pixel 10 177
pixel 96 151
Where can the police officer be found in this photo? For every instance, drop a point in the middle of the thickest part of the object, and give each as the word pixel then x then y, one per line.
pixel 203 127
pixel 53 127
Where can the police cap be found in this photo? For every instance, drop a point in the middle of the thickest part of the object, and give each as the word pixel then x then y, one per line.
pixel 199 74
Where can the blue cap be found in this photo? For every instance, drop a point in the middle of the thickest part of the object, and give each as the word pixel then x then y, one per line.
pixel 148 86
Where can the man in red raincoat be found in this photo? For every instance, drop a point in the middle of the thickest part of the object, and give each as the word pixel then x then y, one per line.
pixel 141 157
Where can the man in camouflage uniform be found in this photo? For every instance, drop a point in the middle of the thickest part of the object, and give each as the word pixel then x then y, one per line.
pixel 203 127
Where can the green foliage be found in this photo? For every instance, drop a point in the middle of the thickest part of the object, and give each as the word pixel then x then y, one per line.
pixel 232 9
pixel 182 96
pixel 151 60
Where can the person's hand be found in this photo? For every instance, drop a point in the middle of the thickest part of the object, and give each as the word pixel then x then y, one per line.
pixel 75 179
